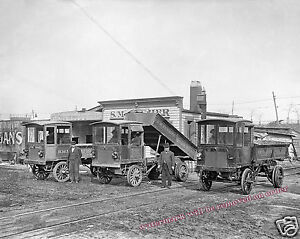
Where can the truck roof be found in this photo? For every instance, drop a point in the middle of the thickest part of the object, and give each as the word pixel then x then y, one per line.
pixel 227 120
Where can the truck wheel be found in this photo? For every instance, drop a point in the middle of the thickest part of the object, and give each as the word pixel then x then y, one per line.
pixel 93 170
pixel 277 176
pixel 102 178
pixel 61 172
pixel 39 172
pixel 203 180
pixel 134 176
pixel 247 181
pixel 181 172
pixel 154 174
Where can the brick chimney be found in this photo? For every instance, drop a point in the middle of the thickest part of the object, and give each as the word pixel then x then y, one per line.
pixel 198 98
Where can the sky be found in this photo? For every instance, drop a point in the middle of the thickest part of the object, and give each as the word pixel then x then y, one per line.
pixel 59 55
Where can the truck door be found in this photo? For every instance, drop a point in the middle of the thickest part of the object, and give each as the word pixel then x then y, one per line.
pixel 244 141
pixel 50 148
pixel 136 142
pixel 124 147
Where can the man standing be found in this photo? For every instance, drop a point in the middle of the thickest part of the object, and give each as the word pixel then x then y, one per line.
pixel 166 163
pixel 74 158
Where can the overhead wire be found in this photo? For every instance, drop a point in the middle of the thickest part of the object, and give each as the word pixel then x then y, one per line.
pixel 121 45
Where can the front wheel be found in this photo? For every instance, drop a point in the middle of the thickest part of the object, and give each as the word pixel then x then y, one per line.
pixel 247 181
pixel 61 172
pixel 39 172
pixel 205 183
pixel 181 172
pixel 93 170
pixel 277 176
pixel 134 176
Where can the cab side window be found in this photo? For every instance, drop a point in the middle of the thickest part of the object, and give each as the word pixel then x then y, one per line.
pixel 124 135
pixel 50 135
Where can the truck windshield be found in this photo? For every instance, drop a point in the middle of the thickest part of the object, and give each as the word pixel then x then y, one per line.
pixel 63 135
pixel 216 134
pixel 35 134
pixel 225 135
pixel 106 134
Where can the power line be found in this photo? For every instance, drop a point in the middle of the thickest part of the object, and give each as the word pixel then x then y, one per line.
pixel 257 101
pixel 99 26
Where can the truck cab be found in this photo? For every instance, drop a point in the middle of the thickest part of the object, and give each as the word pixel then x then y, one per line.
pixel 224 149
pixel 46 144
pixel 117 145
pixel 224 144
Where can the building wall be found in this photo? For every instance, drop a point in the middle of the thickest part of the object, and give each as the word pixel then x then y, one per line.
pixel 189 125
pixel 171 113
pixel 82 130
pixel 12 139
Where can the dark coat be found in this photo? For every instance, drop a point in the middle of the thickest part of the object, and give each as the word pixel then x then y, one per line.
pixel 169 158
pixel 76 155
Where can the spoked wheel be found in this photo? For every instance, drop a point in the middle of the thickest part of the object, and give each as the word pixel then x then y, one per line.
pixel 181 172
pixel 39 172
pixel 247 181
pixel 103 178
pixel 134 176
pixel 277 176
pixel 205 183
pixel 61 172
pixel 154 174
pixel 93 170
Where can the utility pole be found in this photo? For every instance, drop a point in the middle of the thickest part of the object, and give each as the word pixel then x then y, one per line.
pixel 232 107
pixel 274 99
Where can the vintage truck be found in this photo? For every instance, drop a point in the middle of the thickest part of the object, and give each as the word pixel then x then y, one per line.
pixel 46 148
pixel 117 152
pixel 227 152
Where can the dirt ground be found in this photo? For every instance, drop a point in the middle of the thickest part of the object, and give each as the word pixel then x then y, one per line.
pixel 128 212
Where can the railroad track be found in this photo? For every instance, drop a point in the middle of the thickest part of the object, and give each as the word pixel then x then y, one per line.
pixel 8 223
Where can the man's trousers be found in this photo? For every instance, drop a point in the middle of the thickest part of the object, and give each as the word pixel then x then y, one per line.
pixel 165 175
pixel 74 170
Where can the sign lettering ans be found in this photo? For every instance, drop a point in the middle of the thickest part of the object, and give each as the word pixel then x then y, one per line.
pixel 119 114
pixel 11 138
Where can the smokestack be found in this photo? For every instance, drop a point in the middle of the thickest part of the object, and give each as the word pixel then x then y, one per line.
pixel 198 98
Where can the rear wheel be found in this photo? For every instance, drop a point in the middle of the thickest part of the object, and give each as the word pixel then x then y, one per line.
pixel 181 172
pixel 277 176
pixel 134 176
pixel 102 177
pixel 39 172
pixel 61 172
pixel 205 183
pixel 247 181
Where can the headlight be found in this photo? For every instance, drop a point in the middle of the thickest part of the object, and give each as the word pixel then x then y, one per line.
pixel 93 153
pixel 230 157
pixel 115 155
pixel 199 155
pixel 41 154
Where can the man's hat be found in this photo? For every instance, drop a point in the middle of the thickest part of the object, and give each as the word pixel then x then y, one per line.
pixel 73 142
pixel 166 145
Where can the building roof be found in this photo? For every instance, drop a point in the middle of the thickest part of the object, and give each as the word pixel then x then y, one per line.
pixel 116 122
pixel 107 102
pixel 77 116
pixel 45 122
